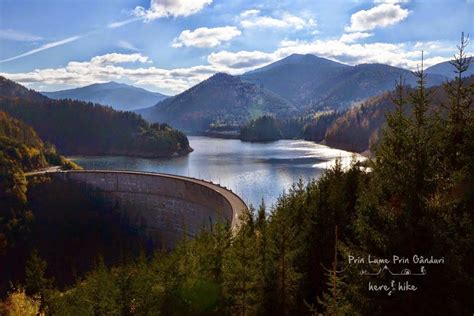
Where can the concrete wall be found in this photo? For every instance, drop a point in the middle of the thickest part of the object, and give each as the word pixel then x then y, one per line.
pixel 164 207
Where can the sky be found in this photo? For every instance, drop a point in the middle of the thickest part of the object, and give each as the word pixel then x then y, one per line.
pixel 168 46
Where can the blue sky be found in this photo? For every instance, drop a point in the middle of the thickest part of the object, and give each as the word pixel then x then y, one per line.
pixel 170 45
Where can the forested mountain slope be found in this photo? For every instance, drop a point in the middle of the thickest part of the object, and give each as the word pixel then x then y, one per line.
pixel 221 99
pixel 80 128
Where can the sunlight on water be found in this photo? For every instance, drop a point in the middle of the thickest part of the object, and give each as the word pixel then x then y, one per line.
pixel 252 170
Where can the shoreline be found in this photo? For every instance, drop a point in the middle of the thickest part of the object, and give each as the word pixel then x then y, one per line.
pixel 122 154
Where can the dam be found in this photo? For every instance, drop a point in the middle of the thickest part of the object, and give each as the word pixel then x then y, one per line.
pixel 164 207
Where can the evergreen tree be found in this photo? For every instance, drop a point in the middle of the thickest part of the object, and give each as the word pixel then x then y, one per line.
pixel 36 282
pixel 334 301
pixel 408 207
pixel 242 276
pixel 263 259
pixel 459 112
pixel 283 249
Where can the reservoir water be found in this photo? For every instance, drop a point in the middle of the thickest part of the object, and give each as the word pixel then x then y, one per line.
pixel 252 170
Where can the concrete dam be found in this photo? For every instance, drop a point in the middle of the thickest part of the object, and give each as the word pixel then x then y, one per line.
pixel 163 207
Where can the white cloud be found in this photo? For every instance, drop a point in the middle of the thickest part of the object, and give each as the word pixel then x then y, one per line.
pixel 240 61
pixel 204 37
pixel 111 67
pixel 174 8
pixel 249 13
pixel 18 36
pixel 353 37
pixel 398 55
pixel 127 45
pixel 115 58
pixel 383 15
pixel 117 66
pixel 252 18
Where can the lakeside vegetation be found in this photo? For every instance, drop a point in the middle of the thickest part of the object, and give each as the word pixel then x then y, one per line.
pixel 292 259
pixel 311 127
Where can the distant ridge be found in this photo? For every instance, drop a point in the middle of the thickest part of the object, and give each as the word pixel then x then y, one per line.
pixel 119 96
pixel 310 81
pixel 447 70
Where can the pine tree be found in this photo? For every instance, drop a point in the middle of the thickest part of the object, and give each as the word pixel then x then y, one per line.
pixel 459 117
pixel 283 250
pixel 263 259
pixel 408 207
pixel 242 276
pixel 36 282
pixel 333 300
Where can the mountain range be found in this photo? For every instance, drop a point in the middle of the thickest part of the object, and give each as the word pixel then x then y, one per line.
pixel 119 96
pixel 296 84
pixel 314 82
pixel 292 86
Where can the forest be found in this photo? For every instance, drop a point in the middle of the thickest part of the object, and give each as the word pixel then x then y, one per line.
pixel 81 128
pixel 414 198
pixel 311 126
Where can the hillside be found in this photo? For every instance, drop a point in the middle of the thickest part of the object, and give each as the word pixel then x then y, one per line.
pixel 37 212
pixel 446 70
pixel 21 147
pixel 119 96
pixel 360 82
pixel 358 129
pixel 80 128
pixel 10 88
pixel 313 82
pixel 221 99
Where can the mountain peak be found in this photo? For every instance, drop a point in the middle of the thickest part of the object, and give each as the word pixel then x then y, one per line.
pixel 301 57
pixel 111 84
pixel 221 75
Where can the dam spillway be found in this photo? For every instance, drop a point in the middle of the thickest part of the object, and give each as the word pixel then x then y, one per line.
pixel 164 207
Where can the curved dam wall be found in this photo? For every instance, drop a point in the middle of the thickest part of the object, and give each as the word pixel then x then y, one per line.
pixel 163 207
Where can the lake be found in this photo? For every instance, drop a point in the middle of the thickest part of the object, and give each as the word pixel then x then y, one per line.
pixel 252 170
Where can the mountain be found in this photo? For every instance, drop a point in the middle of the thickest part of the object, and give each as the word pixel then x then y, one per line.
pixel 446 70
pixel 80 128
pixel 120 96
pixel 289 76
pixel 221 99
pixel 313 82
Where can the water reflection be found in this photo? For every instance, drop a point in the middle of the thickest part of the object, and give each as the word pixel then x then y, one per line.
pixel 252 170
